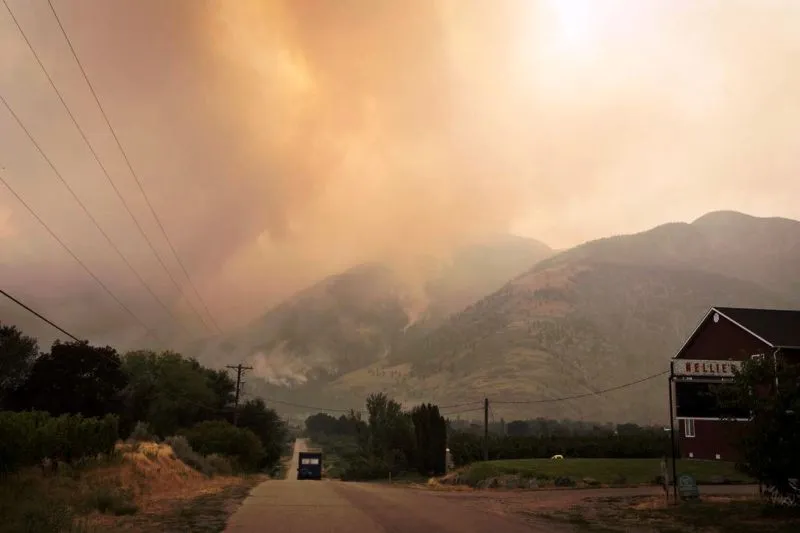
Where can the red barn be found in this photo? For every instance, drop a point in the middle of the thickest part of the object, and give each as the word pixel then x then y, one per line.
pixel 725 337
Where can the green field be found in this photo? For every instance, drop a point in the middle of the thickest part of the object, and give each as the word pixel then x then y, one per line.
pixel 604 471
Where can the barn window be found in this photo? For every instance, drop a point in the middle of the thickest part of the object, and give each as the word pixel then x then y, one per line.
pixel 688 427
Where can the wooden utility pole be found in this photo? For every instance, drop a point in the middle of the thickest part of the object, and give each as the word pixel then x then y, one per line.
pixel 486 429
pixel 239 371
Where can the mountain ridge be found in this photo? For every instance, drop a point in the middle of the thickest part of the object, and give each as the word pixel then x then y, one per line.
pixel 608 300
pixel 353 319
pixel 512 319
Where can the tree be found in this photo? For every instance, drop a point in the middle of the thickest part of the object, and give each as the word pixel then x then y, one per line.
pixel 221 383
pixel 430 430
pixel 74 378
pixel 17 355
pixel 270 429
pixel 321 424
pixel 325 424
pixel 171 392
pixel 517 428
pixel 769 389
pixel 391 434
pixel 629 429
pixel 223 438
pixel 359 427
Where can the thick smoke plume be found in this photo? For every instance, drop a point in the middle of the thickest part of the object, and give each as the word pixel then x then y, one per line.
pixel 281 141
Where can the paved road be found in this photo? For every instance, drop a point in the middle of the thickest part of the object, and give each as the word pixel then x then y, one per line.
pixel 300 445
pixel 291 506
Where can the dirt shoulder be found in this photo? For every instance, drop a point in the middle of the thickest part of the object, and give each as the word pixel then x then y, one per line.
pixel 206 512
pixel 712 514
pixel 722 509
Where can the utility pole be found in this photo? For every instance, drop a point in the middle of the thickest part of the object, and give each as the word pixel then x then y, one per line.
pixel 486 429
pixel 239 371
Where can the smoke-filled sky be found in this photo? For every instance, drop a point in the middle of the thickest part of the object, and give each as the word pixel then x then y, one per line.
pixel 280 141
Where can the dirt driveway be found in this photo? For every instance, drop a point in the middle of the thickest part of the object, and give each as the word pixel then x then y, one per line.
pixel 556 499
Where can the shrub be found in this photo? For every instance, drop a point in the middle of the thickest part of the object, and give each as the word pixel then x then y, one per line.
pixel 45 517
pixel 24 508
pixel 141 433
pixel 619 479
pixel 220 437
pixel 564 482
pixel 220 465
pixel 27 438
pixel 180 445
pixel 183 451
pixel 365 468
pixel 111 500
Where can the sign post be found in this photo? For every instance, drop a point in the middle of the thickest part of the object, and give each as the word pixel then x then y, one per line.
pixel 672 436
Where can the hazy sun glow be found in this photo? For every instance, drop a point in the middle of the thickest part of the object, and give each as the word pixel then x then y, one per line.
pixel 578 28
pixel 577 23
pixel 284 140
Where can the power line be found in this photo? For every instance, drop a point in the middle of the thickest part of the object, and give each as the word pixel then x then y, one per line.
pixel 585 395
pixel 482 407
pixel 332 410
pixel 40 316
pixel 551 400
pixel 130 167
pixel 454 406
pixel 102 166
pixel 86 210
pixel 78 260
pixel 310 407
pixel 240 369
pixel 463 411
pixel 59 328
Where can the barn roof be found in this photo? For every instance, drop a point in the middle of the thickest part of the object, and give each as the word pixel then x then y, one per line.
pixel 777 327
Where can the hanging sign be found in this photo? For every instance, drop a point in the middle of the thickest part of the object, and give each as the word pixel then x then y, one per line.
pixel 701 367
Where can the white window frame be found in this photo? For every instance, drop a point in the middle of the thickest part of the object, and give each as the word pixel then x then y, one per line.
pixel 688 428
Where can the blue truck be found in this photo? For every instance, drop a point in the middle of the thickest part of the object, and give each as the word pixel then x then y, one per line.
pixel 309 465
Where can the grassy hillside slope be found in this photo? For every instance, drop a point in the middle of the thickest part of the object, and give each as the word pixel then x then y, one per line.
pixel 596 316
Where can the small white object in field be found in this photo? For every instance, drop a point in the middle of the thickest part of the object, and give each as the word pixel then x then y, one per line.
pixel 557 457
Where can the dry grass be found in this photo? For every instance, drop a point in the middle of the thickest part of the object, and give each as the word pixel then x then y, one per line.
pixel 135 490
pixel 159 480
pixel 713 514
pixel 205 511
pixel 435 485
